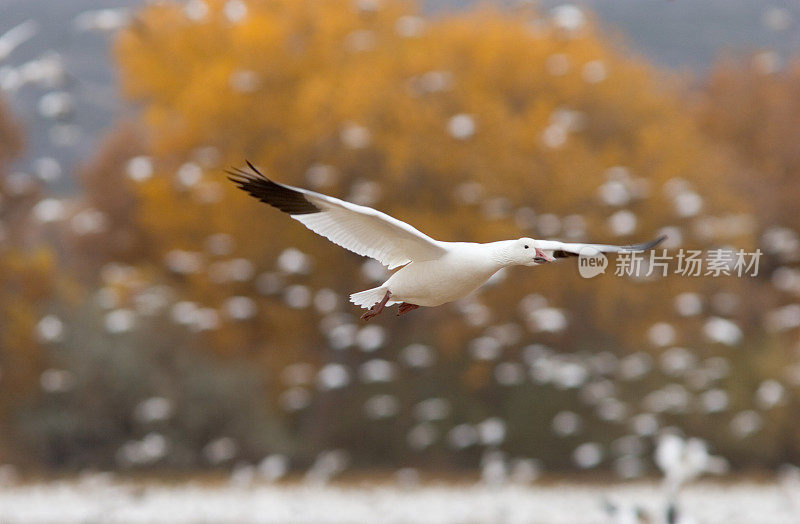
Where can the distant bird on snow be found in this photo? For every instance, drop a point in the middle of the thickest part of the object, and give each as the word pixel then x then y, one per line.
pixel 433 272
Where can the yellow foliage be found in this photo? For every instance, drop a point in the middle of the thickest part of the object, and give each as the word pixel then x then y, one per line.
pixel 471 127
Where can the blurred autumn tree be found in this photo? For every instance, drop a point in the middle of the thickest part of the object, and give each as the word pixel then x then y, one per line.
pixel 26 281
pixel 109 232
pixel 751 106
pixel 479 126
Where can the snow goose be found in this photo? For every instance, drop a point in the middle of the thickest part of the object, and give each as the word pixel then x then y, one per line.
pixel 433 272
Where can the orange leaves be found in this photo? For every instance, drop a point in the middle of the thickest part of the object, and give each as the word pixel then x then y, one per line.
pixel 475 126
pixel 11 138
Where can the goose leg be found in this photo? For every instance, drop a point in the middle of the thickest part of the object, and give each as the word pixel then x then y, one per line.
pixel 377 309
pixel 405 307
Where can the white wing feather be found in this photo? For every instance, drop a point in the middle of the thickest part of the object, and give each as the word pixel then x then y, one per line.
pixel 564 249
pixel 360 229
pixel 368 232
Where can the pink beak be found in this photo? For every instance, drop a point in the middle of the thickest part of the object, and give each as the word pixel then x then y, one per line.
pixel 541 258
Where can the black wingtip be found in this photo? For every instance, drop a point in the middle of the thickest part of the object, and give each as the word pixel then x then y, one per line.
pixel 240 177
pixel 657 241
pixel 633 248
pixel 648 245
pixel 254 168
pixel 287 199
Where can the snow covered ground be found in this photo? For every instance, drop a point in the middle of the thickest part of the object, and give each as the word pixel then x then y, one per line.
pixel 106 500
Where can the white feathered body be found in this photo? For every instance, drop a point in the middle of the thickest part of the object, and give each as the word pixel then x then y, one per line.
pixel 462 270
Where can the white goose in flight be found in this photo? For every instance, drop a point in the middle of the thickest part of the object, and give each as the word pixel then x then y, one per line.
pixel 433 272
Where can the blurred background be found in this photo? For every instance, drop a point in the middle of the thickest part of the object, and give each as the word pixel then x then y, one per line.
pixel 154 319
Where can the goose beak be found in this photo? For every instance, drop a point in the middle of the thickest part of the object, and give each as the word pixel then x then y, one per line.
pixel 541 258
